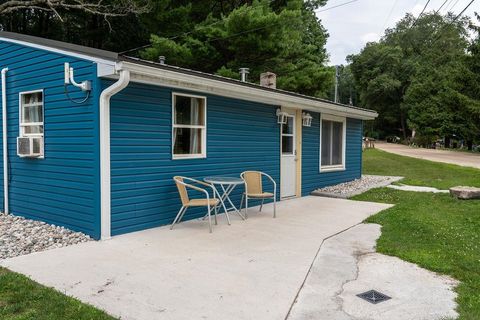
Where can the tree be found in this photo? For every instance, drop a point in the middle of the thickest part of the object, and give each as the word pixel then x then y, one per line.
pixel 413 77
pixel 111 9
pixel 107 24
pixel 284 37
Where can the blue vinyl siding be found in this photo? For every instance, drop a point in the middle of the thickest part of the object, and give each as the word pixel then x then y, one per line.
pixel 240 136
pixel 311 177
pixel 63 188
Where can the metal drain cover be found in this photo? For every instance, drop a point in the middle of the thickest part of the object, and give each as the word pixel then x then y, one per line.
pixel 373 296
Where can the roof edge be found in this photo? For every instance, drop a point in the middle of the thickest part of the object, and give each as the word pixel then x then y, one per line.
pixel 60 45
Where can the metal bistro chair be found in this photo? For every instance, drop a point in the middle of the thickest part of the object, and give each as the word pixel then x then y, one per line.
pixel 254 190
pixel 187 202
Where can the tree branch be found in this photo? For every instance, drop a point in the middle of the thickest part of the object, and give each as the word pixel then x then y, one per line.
pixel 119 8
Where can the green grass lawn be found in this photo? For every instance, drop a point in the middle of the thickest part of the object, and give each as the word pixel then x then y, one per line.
pixel 436 231
pixel 23 299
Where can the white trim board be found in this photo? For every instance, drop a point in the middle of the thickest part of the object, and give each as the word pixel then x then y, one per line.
pixel 178 80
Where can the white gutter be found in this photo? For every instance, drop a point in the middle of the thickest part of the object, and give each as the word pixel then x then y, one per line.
pixel 5 140
pixel 151 75
pixel 105 196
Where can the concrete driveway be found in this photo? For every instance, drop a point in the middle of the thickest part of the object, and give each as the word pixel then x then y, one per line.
pixel 252 269
pixel 454 157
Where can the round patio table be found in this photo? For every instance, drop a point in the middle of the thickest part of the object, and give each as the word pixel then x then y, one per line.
pixel 227 184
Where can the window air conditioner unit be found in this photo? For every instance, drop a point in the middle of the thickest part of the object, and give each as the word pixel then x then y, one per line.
pixel 30 147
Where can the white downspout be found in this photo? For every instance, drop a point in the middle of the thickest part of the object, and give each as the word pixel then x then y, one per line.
pixel 5 140
pixel 105 196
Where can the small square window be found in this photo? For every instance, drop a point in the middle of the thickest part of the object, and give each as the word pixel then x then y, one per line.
pixel 189 126
pixel 31 114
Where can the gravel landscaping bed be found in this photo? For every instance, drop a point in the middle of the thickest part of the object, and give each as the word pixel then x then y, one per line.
pixel 352 188
pixel 19 236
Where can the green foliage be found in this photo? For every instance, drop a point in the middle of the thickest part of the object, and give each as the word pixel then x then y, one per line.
pixel 284 37
pixel 435 231
pixel 21 298
pixel 420 77
pixel 215 36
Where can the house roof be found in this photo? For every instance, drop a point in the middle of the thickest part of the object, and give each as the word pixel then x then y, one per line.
pixel 113 57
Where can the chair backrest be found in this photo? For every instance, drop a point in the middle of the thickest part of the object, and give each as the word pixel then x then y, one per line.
pixel 253 180
pixel 182 189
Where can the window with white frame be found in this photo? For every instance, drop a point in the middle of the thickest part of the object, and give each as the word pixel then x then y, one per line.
pixel 189 126
pixel 31 114
pixel 332 143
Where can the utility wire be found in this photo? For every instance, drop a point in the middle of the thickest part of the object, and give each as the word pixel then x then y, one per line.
pixel 263 4
pixel 336 6
pixel 389 15
pixel 425 7
pixel 438 10
pixel 465 9
pixel 235 34
pixel 450 23
pixel 453 6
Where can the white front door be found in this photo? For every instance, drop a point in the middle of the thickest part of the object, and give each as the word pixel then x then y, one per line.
pixel 288 178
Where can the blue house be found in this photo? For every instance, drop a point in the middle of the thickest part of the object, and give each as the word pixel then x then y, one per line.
pixel 92 139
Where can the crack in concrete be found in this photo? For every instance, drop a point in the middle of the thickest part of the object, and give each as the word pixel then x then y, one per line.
pixel 356 256
pixel 311 267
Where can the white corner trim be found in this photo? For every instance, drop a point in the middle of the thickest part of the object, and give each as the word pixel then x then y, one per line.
pixel 105 189
pixel 333 168
pixel 5 140
pixel 174 79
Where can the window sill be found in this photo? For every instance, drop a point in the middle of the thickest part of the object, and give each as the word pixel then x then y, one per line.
pixel 332 169
pixel 186 157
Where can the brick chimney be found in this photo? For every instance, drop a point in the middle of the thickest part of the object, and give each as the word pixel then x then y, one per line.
pixel 268 79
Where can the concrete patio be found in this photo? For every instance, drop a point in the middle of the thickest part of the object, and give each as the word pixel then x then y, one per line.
pixel 252 269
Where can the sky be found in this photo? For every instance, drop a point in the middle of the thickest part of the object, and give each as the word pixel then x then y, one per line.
pixel 353 25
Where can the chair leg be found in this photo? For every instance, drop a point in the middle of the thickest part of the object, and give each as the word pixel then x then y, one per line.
pixel 178 217
pixel 209 219
pixel 215 210
pixel 261 206
pixel 274 206
pixel 241 201
pixel 246 207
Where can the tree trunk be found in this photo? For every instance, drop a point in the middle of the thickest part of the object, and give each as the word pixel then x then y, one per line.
pixel 470 145
pixel 447 142
pixel 404 127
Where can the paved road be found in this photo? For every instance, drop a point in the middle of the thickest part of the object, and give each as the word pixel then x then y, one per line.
pixel 460 158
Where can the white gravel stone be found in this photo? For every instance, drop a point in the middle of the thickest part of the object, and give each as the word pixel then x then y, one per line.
pixel 20 236
pixel 352 188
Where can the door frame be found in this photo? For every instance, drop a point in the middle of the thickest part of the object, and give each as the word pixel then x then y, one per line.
pixel 298 148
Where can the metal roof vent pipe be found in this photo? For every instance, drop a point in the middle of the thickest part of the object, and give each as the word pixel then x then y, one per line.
pixel 268 79
pixel 244 73
pixel 161 59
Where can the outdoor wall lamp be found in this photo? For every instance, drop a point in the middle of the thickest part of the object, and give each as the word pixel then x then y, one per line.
pixel 306 119
pixel 281 117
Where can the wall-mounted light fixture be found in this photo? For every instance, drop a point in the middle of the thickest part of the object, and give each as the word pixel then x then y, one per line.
pixel 306 119
pixel 281 117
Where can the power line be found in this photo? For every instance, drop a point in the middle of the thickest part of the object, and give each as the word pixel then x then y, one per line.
pixel 448 3
pixel 465 9
pixel 263 4
pixel 454 19
pixel 453 6
pixel 438 10
pixel 336 6
pixel 425 7
pixel 239 33
pixel 390 14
